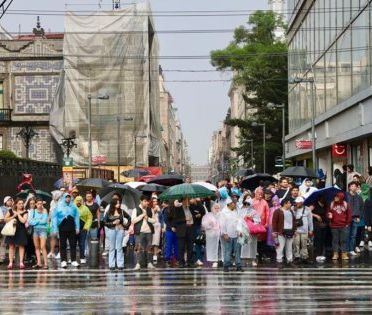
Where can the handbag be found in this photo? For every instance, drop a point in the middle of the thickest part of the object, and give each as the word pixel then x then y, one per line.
pixel 300 221
pixel 9 228
pixel 255 229
pixel 30 228
pixel 288 233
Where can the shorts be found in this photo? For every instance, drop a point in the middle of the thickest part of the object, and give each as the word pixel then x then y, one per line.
pixel 40 232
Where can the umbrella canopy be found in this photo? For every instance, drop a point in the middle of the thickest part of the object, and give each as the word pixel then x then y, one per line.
pixel 167 180
pixel 299 171
pixel 135 185
pixel 95 183
pixel 130 196
pixel 60 183
pixel 209 186
pixel 136 172
pixel 186 191
pixel 153 188
pixel 45 196
pixel 326 193
pixel 253 181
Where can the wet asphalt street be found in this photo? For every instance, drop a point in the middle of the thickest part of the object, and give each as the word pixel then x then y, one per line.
pixel 341 288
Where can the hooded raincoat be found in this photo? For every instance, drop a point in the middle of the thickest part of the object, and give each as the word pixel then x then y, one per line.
pixel 211 226
pixel 86 217
pixel 62 211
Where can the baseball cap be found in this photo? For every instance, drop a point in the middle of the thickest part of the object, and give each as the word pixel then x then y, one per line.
pixel 299 200
pixel 6 199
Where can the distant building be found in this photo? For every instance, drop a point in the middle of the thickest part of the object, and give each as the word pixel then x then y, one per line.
pixel 199 173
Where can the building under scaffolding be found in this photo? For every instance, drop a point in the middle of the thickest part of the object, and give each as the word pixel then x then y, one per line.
pixel 112 58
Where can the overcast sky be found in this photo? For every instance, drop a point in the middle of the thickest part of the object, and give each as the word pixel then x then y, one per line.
pixel 201 106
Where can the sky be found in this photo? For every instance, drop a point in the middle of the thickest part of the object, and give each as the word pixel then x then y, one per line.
pixel 201 106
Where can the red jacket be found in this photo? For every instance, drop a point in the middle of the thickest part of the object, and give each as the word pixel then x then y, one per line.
pixel 341 215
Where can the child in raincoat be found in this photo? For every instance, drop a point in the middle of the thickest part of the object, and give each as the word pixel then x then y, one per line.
pixel 211 226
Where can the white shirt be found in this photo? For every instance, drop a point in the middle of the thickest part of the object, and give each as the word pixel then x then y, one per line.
pixel 229 221
pixel 288 220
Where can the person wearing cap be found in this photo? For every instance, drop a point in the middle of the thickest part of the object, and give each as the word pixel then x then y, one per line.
pixel 8 204
pixel 66 221
pixel 74 193
pixel 304 224
pixel 229 222
pixel 86 219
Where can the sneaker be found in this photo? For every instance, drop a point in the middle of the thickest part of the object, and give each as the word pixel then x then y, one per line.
pixel 137 267
pixel 369 243
pixel 104 253
pixel 83 261
pixel 215 265
pixel 361 244
pixel 319 259
pixel 64 264
pixel 352 253
pixel 58 256
pixel 51 255
pixel 150 266
pixel 254 263
pixel 199 263
pixel 357 250
pixel 323 258
pixel 75 264
pixel 155 259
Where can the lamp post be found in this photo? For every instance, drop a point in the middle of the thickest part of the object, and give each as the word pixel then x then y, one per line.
pixel 26 134
pixel 313 138
pixel 282 106
pixel 99 97
pixel 263 125
pixel 135 147
pixel 69 144
pixel 252 158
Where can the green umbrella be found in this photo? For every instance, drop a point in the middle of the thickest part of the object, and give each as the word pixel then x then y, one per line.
pixel 186 191
pixel 45 196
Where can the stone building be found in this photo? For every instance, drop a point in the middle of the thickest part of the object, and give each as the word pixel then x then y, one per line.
pixel 30 66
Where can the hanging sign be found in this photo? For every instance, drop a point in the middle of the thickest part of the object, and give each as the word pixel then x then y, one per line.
pixel 304 144
pixel 339 150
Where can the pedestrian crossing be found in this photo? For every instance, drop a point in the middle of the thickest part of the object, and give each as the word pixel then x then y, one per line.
pixel 256 291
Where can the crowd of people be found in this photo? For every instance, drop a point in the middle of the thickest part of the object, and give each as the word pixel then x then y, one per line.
pixel 235 229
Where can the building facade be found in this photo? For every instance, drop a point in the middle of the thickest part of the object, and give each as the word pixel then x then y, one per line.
pixel 199 173
pixel 30 67
pixel 330 58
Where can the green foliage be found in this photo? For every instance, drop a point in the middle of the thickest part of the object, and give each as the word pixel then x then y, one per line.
pixel 6 154
pixel 260 63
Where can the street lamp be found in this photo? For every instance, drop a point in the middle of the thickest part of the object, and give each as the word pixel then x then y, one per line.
pixel 26 134
pixel 99 97
pixel 313 139
pixel 263 125
pixel 69 143
pixel 135 147
pixel 282 106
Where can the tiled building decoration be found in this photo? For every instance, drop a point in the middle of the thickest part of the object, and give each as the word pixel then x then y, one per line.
pixel 34 93
pixel 41 148
pixel 37 66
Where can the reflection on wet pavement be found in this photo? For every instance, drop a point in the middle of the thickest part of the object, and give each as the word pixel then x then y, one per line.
pixel 263 290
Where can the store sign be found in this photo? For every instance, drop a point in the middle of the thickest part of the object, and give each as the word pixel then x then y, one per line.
pixel 339 150
pixel 99 159
pixel 304 144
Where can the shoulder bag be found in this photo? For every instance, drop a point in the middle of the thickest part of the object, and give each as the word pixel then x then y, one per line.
pixel 9 228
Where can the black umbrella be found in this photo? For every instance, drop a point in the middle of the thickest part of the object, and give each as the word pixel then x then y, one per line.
pixel 253 181
pixel 93 183
pixel 136 172
pixel 167 180
pixel 299 171
pixel 153 188
pixel 130 196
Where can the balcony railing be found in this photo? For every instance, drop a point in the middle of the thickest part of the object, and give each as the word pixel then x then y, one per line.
pixel 5 114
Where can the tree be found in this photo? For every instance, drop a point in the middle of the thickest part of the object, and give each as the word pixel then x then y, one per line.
pixel 259 61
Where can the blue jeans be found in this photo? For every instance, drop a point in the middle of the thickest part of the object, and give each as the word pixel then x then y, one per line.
pixel 115 241
pixel 171 245
pixel 198 247
pixel 352 235
pixel 231 247
pixel 81 241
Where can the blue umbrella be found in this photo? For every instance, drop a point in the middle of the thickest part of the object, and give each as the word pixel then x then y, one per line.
pixel 60 183
pixel 326 193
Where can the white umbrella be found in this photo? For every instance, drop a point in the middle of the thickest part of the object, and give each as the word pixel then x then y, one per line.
pixel 135 185
pixel 207 185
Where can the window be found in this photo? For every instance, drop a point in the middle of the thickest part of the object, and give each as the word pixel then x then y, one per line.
pixel 344 81
pixel 1 95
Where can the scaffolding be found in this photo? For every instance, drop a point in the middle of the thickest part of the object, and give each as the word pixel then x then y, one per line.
pixel 110 57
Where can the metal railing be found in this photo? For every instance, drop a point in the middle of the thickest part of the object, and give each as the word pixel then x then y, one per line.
pixel 5 114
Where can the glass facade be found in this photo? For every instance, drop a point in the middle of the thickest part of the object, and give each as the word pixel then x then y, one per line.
pixel 331 45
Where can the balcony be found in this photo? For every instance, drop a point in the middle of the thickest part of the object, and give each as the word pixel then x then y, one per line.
pixel 5 115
